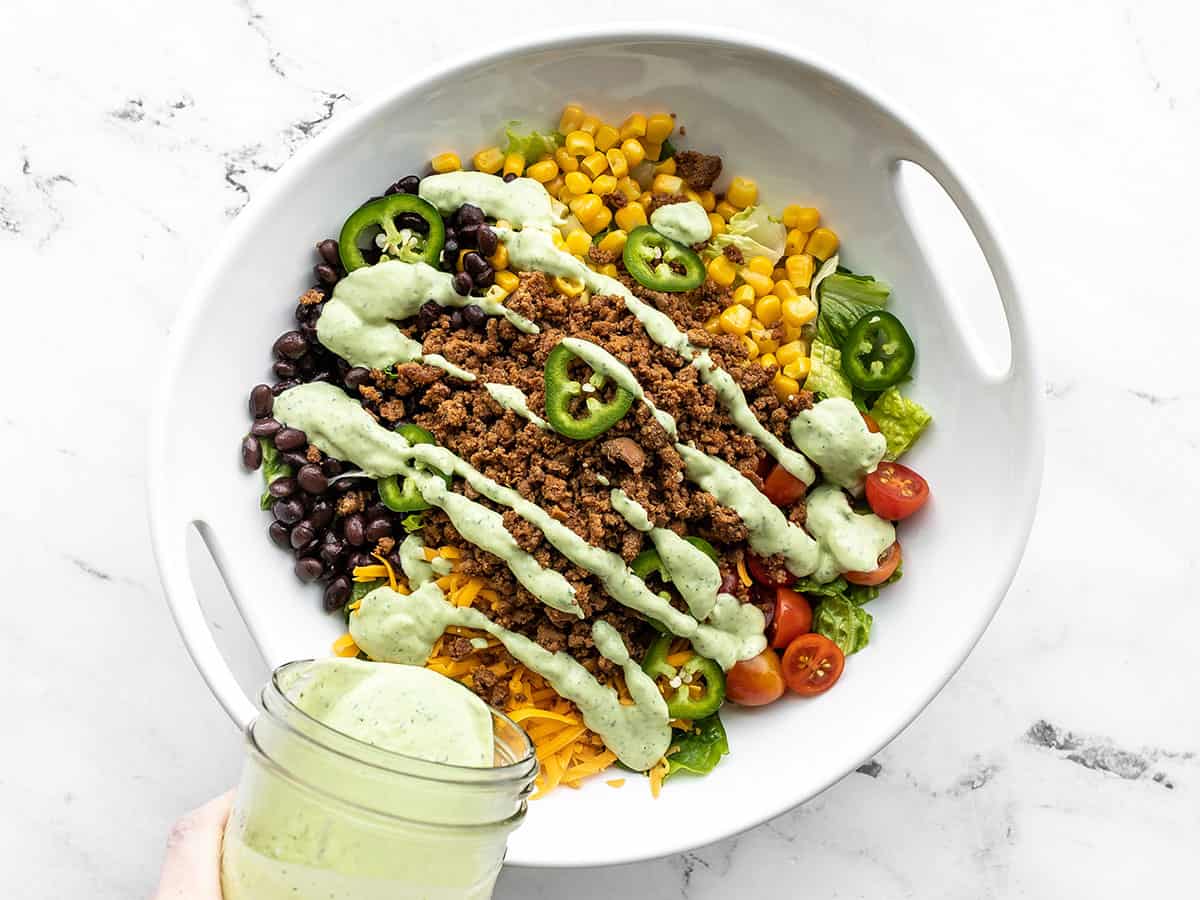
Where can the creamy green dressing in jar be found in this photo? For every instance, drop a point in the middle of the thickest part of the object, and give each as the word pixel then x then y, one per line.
pixel 374 781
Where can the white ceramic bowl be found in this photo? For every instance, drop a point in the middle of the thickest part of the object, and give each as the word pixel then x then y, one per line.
pixel 804 132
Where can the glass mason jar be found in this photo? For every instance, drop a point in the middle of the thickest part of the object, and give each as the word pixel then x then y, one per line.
pixel 322 815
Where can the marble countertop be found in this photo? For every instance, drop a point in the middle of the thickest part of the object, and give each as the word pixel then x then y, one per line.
pixel 1060 762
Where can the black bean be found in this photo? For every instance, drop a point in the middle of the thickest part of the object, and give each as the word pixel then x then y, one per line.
pixel 357 377
pixel 321 514
pixel 325 273
pixel 357 560
pixel 470 214
pixel 379 528
pixel 474 315
pixel 285 368
pixel 294 458
pixel 328 249
pixel 412 221
pixel 309 569
pixel 463 284
pixel 302 534
pixel 289 511
pixel 342 485
pixel 265 428
pixel 290 345
pixel 371 255
pixel 261 400
pixel 280 534
pixel 251 452
pixel 312 479
pixel 486 240
pixel 332 467
pixel 284 386
pixel 337 593
pixel 323 376
pixel 729 583
pixel 473 263
pixel 282 487
pixel 509 176
pixel 409 184
pixel 485 278
pixel 309 330
pixel 354 530
pixel 331 548
pixel 450 250
pixel 467 235
pixel 456 319
pixel 290 439
pixel 377 511
pixel 309 549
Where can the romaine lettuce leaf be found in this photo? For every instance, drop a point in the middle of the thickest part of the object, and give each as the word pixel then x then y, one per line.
pixel 753 232
pixel 532 146
pixel 825 375
pixel 847 625
pixel 844 299
pixel 273 468
pixel 900 420
pixel 858 594
pixel 700 749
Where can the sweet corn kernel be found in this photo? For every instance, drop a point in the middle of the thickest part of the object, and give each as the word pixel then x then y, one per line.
pixel 542 171
pixel 744 294
pixel 586 206
pixel 796 239
pixel 610 270
pixel 630 188
pixel 659 127
pixel 792 332
pixel 566 162
pixel 614 241
pixel 791 351
pixel 503 223
pixel 554 185
pixel 590 125
pixel 571 119
pixel 646 199
pixel 784 289
pixel 798 368
pixel 735 320
pixel 617 163
pixel 727 210
pixel 598 222
pixel 762 265
pixel 508 280
pixel 514 164
pixel 769 310
pixel 594 164
pixel 631 216
pixel 751 347
pixel 666 167
pixel 653 151
pixel 667 184
pixel 578 182
pixel 799 269
pixel 568 287
pixel 499 259
pixel 755 325
pixel 604 184
pixel 768 361
pixel 458 262
pixel 822 244
pixel 446 162
pixel 802 218
pixel 579 143
pixel 691 195
pixel 578 243
pixel 634 151
pixel 723 272
pixel 765 339
pixel 607 137
pixel 717 223
pixel 713 325
pixel 800 311
pixel 557 237
pixel 742 192
pixel 633 127
pixel 708 200
pixel 566 195
pixel 784 386
pixel 490 160
pixel 762 284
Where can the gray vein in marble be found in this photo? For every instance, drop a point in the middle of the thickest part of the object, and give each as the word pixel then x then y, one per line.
pixel 88 569
pixel 1144 59
pixel 134 110
pixel 46 187
pixel 1100 754
pixel 1059 389
pixel 978 775
pixel 871 768
pixel 254 20
pixel 1153 399
pixel 8 219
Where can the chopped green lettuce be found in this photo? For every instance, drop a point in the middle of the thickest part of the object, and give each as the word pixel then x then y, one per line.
pixel 858 594
pixel 412 522
pixel 900 420
pixel 826 376
pixel 754 233
pixel 273 468
pixel 844 299
pixel 844 623
pixel 359 590
pixel 700 749
pixel 532 146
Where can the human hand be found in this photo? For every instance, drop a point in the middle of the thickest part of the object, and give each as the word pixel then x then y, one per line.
pixel 192 867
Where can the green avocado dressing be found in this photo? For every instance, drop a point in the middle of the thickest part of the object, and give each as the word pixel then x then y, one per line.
pixel 522 200
pixel 686 223
pixel 834 435
pixel 513 398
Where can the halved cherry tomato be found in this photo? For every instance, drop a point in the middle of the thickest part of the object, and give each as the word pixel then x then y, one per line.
pixel 756 681
pixel 872 425
pixel 888 560
pixel 793 617
pixel 783 488
pixel 895 491
pixel 812 664
pixel 758 571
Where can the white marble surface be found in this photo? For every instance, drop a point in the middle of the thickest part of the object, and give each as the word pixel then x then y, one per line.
pixel 1060 762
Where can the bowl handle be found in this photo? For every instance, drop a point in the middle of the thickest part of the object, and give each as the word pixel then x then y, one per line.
pixel 920 154
pixel 170 549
